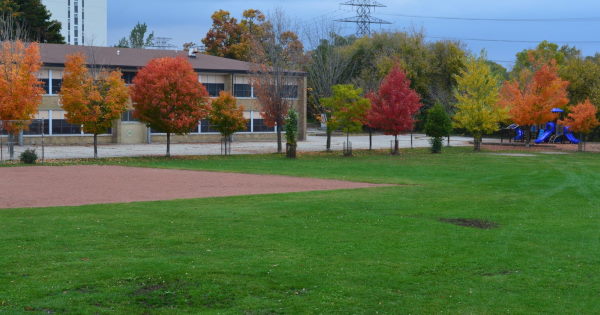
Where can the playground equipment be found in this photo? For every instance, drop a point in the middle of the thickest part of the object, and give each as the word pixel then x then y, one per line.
pixel 553 133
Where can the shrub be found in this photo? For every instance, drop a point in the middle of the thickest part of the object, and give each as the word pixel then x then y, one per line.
pixel 29 156
pixel 437 126
pixel 291 133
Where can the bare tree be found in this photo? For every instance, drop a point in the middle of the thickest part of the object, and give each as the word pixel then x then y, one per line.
pixel 276 57
pixel 326 66
pixel 11 29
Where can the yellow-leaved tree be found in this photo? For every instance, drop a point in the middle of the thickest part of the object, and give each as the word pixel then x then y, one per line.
pixel 93 101
pixel 477 95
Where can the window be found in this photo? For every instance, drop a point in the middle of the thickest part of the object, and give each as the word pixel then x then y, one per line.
pixel 56 85
pixel 206 127
pixel 62 127
pixel 242 90
pixel 128 116
pixel 214 89
pixel 45 85
pixel 259 126
pixel 290 91
pixel 128 77
pixel 35 128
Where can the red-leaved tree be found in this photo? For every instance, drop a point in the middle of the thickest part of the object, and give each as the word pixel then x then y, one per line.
pixel 168 97
pixel 393 107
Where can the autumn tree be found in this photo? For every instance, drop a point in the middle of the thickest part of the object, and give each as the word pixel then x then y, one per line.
pixel 582 119
pixel 394 105
pixel 437 126
pixel 545 52
pixel 275 75
pixel 478 110
pixel 34 15
pixel 531 100
pixel 137 37
pixel 92 101
pixel 168 97
pixel 226 117
pixel 20 90
pixel 232 39
pixel 349 110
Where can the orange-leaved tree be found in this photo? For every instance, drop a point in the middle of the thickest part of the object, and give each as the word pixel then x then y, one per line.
pixel 582 119
pixel 530 103
pixel 20 90
pixel 393 107
pixel 93 101
pixel 168 97
pixel 226 117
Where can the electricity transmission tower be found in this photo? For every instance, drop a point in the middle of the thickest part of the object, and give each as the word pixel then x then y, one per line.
pixel 363 18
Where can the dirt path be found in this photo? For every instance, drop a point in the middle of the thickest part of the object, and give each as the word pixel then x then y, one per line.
pixel 47 186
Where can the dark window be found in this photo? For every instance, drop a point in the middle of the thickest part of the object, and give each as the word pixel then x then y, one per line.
pixel 206 127
pixel 45 85
pixel 242 90
pixel 128 77
pixel 214 89
pixel 290 91
pixel 35 128
pixel 62 127
pixel 56 85
pixel 259 126
pixel 128 116
pixel 248 125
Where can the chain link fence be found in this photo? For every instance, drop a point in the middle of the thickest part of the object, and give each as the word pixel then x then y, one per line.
pixel 17 136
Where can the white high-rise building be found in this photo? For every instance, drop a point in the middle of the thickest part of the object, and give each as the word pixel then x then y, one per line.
pixel 84 22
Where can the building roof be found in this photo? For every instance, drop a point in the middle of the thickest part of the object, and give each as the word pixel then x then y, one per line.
pixel 134 58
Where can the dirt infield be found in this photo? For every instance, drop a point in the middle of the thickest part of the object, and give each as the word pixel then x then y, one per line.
pixel 47 186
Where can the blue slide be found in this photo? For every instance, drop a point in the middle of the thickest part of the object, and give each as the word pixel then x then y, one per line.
pixel 548 132
pixel 570 136
pixel 520 134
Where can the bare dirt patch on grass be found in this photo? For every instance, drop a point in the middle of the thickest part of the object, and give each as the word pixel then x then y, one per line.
pixel 472 223
pixel 47 186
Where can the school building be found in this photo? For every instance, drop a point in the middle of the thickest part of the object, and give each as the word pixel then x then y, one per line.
pixel 217 74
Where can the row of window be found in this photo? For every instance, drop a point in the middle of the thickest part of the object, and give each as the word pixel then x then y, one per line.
pixel 206 127
pixel 57 126
pixel 213 89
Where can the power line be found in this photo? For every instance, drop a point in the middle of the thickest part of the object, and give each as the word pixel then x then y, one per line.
pixel 363 18
pixel 515 40
pixel 564 19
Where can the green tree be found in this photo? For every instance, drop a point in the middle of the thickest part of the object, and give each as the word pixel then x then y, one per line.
pixel 34 16
pixel 137 37
pixel 291 133
pixel 349 109
pixel 533 59
pixel 438 125
pixel 477 96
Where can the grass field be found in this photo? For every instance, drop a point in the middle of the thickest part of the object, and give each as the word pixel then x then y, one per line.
pixel 379 250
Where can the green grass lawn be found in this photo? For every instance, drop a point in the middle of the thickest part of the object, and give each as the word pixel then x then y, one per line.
pixel 378 250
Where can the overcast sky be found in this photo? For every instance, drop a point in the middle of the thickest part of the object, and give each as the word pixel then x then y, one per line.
pixel 188 20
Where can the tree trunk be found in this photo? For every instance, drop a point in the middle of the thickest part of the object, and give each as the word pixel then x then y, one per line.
pixel 528 141
pixel 328 144
pixel 448 141
pixel 95 146
pixel 396 147
pixel 279 143
pixel 11 146
pixel 370 139
pixel 411 138
pixel 477 143
pixel 168 144
pixel 580 145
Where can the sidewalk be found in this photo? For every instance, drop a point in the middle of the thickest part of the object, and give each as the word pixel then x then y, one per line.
pixel 312 144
